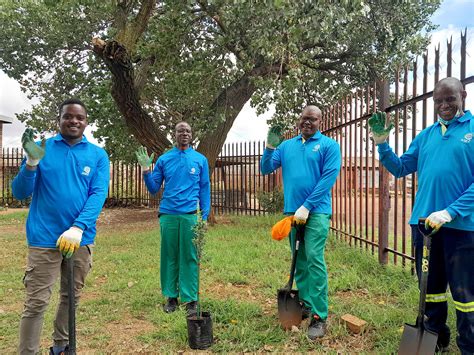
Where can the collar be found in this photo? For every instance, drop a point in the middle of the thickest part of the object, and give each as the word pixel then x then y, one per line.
pixel 466 117
pixel 59 137
pixel 186 151
pixel 314 137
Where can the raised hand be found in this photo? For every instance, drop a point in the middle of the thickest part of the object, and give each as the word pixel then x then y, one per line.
pixel 34 152
pixel 143 159
pixel 379 127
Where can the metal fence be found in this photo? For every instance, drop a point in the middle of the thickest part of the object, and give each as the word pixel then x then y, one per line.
pixel 370 208
pixel 10 160
pixel 237 186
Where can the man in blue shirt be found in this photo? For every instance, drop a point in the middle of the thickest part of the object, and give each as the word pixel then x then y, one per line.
pixel 185 174
pixel 443 156
pixel 310 164
pixel 68 178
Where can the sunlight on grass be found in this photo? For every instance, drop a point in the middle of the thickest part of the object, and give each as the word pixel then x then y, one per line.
pixel 242 270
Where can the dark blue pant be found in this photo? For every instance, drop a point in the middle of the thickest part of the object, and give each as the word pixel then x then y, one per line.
pixel 451 262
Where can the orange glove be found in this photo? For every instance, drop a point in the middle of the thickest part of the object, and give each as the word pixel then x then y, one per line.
pixel 282 228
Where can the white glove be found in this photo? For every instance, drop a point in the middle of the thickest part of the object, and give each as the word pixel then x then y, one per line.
pixel 437 219
pixel 301 215
pixel 379 139
pixel 70 241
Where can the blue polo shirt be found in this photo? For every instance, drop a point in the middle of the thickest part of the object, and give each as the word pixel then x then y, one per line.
pixel 185 174
pixel 69 188
pixel 309 169
pixel 445 166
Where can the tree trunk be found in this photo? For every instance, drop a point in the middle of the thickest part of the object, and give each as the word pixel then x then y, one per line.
pixel 126 96
pixel 231 101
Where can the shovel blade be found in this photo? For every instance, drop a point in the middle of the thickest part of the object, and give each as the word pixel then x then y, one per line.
pixel 289 308
pixel 416 340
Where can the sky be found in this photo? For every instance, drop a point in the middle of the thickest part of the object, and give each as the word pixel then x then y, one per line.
pixel 452 17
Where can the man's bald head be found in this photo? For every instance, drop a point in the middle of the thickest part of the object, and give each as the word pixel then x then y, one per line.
pixel 451 82
pixel 312 108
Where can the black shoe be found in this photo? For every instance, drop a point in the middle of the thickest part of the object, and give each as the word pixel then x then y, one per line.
pixel 305 311
pixel 191 309
pixel 442 343
pixel 171 305
pixel 317 328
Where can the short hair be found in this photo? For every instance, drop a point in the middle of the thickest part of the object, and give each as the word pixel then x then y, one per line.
pixel 180 122
pixel 71 101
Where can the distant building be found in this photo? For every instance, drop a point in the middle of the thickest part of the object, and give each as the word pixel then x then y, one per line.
pixel 3 120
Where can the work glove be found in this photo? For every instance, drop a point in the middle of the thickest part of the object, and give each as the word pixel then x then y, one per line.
pixel 274 137
pixel 379 127
pixel 143 159
pixel 34 153
pixel 437 219
pixel 70 241
pixel 301 215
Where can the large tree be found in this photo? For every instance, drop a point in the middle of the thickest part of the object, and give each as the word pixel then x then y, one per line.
pixel 141 66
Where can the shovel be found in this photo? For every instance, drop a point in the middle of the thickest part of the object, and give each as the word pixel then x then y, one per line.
pixel 289 306
pixel 416 339
pixel 71 348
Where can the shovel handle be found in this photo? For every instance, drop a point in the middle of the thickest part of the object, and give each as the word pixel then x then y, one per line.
pixel 298 238
pixel 71 306
pixel 425 263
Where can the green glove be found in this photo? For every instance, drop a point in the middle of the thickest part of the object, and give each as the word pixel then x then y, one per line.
pixel 379 128
pixel 274 137
pixel 34 152
pixel 143 159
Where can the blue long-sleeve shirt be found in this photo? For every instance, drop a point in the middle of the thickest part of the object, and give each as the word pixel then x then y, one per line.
pixel 68 188
pixel 185 174
pixel 445 166
pixel 309 171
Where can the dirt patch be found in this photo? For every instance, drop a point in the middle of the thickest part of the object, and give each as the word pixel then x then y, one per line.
pixel 11 210
pixel 122 216
pixel 352 294
pixel 124 336
pixel 242 292
pixel 125 333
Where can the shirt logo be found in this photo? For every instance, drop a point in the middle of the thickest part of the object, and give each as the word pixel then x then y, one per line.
pixel 192 171
pixel 316 147
pixel 86 171
pixel 467 138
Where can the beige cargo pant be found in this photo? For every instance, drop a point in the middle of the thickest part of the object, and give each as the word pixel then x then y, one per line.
pixel 44 265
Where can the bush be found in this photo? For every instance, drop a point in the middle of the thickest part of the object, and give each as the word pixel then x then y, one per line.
pixel 272 201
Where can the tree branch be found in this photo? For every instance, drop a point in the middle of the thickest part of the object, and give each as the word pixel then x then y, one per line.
pixel 142 71
pixel 129 32
pixel 218 20
pixel 126 95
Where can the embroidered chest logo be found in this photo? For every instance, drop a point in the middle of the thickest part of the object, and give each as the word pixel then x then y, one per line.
pixel 86 171
pixel 316 147
pixel 192 171
pixel 467 138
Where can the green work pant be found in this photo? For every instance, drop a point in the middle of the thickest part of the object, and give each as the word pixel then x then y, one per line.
pixel 179 261
pixel 311 274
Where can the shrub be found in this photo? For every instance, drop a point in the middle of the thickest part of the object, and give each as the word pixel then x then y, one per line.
pixel 272 201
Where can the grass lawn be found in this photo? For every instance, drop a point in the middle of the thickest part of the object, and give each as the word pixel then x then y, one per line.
pixel 121 306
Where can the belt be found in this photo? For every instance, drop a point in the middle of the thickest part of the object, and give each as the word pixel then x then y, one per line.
pixel 168 214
